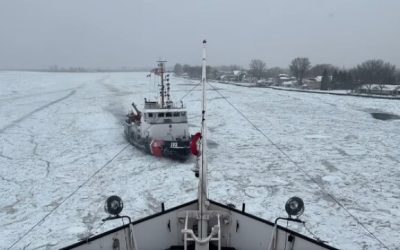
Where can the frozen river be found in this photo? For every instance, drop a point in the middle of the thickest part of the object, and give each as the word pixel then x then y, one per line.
pixel 62 152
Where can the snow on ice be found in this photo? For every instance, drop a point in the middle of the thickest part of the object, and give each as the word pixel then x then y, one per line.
pixel 62 152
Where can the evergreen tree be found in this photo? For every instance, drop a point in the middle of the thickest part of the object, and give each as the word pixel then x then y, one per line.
pixel 325 80
pixel 178 69
pixel 334 80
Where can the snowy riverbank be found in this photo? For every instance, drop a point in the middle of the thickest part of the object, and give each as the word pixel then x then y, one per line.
pixel 327 92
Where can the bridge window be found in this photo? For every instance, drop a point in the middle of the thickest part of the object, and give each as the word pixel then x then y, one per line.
pixel 168 115
pixel 150 114
pixel 160 114
pixel 176 114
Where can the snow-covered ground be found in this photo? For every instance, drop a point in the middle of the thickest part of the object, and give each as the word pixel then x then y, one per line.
pixel 62 152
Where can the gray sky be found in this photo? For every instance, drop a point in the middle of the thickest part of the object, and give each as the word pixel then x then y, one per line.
pixel 135 33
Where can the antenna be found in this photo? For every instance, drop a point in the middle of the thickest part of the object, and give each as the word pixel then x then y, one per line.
pixel 161 71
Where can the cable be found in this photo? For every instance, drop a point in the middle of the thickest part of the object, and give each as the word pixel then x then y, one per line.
pixel 153 161
pixel 310 232
pixel 69 196
pixel 189 91
pixel 301 169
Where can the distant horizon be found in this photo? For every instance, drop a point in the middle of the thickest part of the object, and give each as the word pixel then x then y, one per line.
pixel 168 66
pixel 134 34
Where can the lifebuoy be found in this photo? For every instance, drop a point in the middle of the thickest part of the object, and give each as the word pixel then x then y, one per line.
pixel 194 145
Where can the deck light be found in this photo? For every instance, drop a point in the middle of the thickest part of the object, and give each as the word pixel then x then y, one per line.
pixel 294 206
pixel 113 205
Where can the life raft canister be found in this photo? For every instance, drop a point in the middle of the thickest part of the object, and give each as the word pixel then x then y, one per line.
pixel 156 147
pixel 194 145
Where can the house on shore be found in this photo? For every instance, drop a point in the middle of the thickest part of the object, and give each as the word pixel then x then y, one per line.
pixel 379 89
pixel 234 76
pixel 286 81
pixel 312 83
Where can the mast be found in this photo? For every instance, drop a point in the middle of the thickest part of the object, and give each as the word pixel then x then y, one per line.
pixel 202 192
pixel 161 65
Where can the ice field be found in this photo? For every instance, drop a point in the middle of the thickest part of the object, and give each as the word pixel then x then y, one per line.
pixel 62 153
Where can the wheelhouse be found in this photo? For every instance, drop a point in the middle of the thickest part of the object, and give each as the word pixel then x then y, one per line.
pixel 161 116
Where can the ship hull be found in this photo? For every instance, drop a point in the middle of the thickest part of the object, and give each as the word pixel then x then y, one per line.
pixel 173 149
pixel 163 230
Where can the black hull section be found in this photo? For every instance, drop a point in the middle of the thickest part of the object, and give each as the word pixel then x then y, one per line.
pixel 181 150
pixel 177 150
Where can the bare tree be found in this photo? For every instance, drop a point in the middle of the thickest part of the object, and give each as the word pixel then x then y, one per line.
pixel 229 68
pixel 299 67
pixel 397 76
pixel 318 69
pixel 178 69
pixel 375 72
pixel 275 71
pixel 234 67
pixel 257 68
pixel 343 79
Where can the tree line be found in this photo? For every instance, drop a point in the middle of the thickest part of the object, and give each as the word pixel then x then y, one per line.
pixel 195 71
pixel 367 73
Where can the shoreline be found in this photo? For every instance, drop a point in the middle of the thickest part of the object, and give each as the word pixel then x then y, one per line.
pixel 317 91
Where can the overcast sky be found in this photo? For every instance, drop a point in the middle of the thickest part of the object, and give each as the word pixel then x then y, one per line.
pixel 135 33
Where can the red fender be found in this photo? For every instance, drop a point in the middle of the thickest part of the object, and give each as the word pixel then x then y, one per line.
pixel 194 145
pixel 156 147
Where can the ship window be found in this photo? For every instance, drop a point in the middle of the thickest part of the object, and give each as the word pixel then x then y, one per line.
pixel 176 114
pixel 168 115
pixel 150 115
pixel 160 114
pixel 183 113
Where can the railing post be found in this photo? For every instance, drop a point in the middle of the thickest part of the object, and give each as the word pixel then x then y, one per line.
pixel 219 234
pixel 185 234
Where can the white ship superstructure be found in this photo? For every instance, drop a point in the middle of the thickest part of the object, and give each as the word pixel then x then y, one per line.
pixel 162 127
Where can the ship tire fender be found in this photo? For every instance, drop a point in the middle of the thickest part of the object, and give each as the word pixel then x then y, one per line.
pixel 194 145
